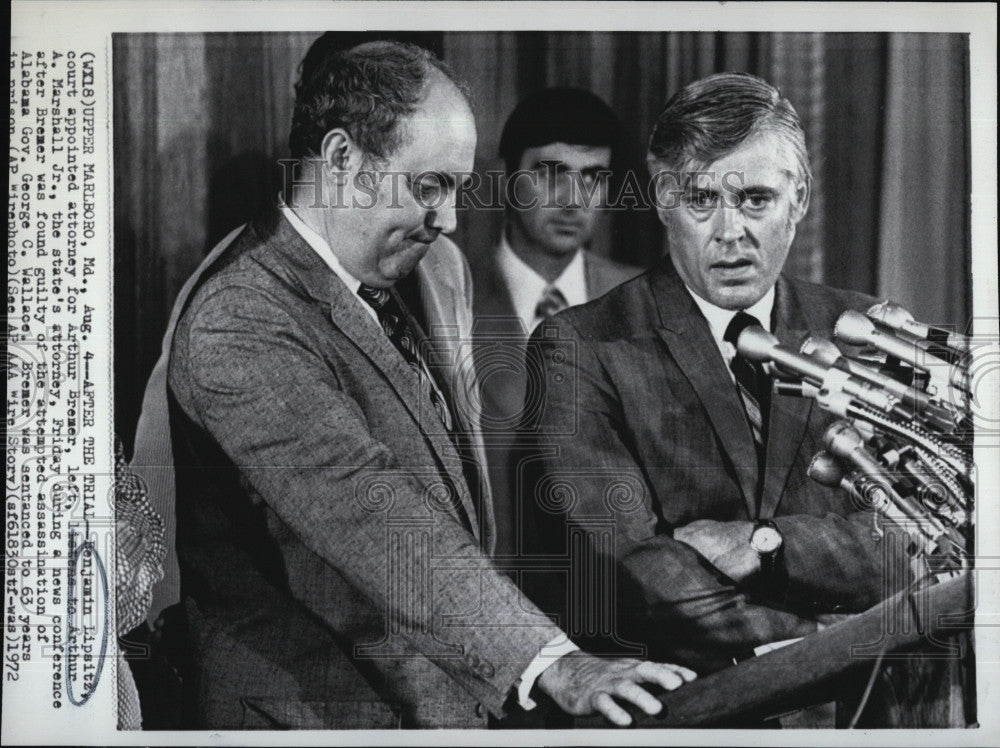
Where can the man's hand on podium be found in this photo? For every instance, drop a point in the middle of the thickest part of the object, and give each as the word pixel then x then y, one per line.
pixel 583 684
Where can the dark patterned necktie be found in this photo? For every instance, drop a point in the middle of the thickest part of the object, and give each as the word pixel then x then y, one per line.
pixel 552 301
pixel 752 381
pixel 393 321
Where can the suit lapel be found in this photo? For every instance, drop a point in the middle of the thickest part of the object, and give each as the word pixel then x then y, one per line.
pixel 599 275
pixel 348 315
pixel 498 329
pixel 449 322
pixel 789 416
pixel 689 339
pixel 492 299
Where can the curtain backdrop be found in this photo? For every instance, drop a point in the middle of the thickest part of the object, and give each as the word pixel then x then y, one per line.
pixel 201 120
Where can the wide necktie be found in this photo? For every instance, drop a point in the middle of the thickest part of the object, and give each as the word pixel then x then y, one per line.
pixel 393 321
pixel 552 301
pixel 752 381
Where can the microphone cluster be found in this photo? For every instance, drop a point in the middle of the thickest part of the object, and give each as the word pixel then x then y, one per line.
pixel 903 444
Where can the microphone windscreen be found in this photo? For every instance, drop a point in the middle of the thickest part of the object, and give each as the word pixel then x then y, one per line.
pixel 855 328
pixel 821 349
pixel 757 343
pixel 890 314
pixel 825 470
pixel 842 439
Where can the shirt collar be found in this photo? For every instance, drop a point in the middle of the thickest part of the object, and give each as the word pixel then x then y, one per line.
pixel 320 246
pixel 719 318
pixel 526 286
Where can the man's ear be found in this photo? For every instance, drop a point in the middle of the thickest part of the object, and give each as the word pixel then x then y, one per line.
pixel 801 193
pixel 338 151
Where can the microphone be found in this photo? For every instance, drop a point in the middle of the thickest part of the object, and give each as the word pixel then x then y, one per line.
pixel 936 414
pixel 795 388
pixel 894 316
pixel 827 471
pixel 757 343
pixel 932 492
pixel 844 441
pixel 856 328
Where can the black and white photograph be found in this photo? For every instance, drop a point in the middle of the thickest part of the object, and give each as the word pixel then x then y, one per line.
pixel 535 379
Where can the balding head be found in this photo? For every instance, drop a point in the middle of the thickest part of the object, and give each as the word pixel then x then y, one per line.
pixel 367 91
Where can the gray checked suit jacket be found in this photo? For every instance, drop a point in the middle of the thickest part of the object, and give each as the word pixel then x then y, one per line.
pixel 500 341
pixel 334 565
pixel 641 430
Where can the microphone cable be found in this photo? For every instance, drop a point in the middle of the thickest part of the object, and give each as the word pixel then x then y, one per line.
pixel 870 685
pixel 868 691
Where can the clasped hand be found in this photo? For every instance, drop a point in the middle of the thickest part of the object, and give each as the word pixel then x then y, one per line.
pixel 726 545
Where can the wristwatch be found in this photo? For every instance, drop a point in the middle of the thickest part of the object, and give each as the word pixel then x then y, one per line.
pixel 767 540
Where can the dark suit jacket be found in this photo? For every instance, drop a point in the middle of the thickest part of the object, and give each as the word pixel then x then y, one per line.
pixel 641 430
pixel 333 558
pixel 500 340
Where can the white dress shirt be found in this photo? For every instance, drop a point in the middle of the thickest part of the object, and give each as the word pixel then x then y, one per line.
pixel 322 248
pixel 719 319
pixel 561 644
pixel 526 286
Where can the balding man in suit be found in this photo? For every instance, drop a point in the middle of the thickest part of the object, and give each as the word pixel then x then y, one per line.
pixel 334 526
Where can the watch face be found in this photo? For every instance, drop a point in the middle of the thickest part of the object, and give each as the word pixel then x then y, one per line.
pixel 765 540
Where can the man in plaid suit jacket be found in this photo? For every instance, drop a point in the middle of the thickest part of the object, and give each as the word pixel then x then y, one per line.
pixel 334 528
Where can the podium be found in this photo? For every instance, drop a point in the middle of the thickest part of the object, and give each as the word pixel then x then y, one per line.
pixel 913 626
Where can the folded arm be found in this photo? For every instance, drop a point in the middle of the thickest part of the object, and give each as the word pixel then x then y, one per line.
pixel 830 563
pixel 588 483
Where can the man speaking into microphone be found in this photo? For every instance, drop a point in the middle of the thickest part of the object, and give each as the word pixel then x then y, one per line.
pixel 674 444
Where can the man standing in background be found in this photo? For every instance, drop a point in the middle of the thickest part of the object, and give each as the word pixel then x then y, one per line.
pixel 558 146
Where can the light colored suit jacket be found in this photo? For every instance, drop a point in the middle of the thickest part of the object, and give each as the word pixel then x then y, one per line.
pixel 641 430
pixel 500 340
pixel 333 559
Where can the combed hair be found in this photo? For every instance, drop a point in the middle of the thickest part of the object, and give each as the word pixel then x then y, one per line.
pixel 709 118
pixel 558 115
pixel 365 90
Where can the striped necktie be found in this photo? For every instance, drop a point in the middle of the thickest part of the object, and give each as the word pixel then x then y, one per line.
pixel 552 301
pixel 393 321
pixel 752 381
